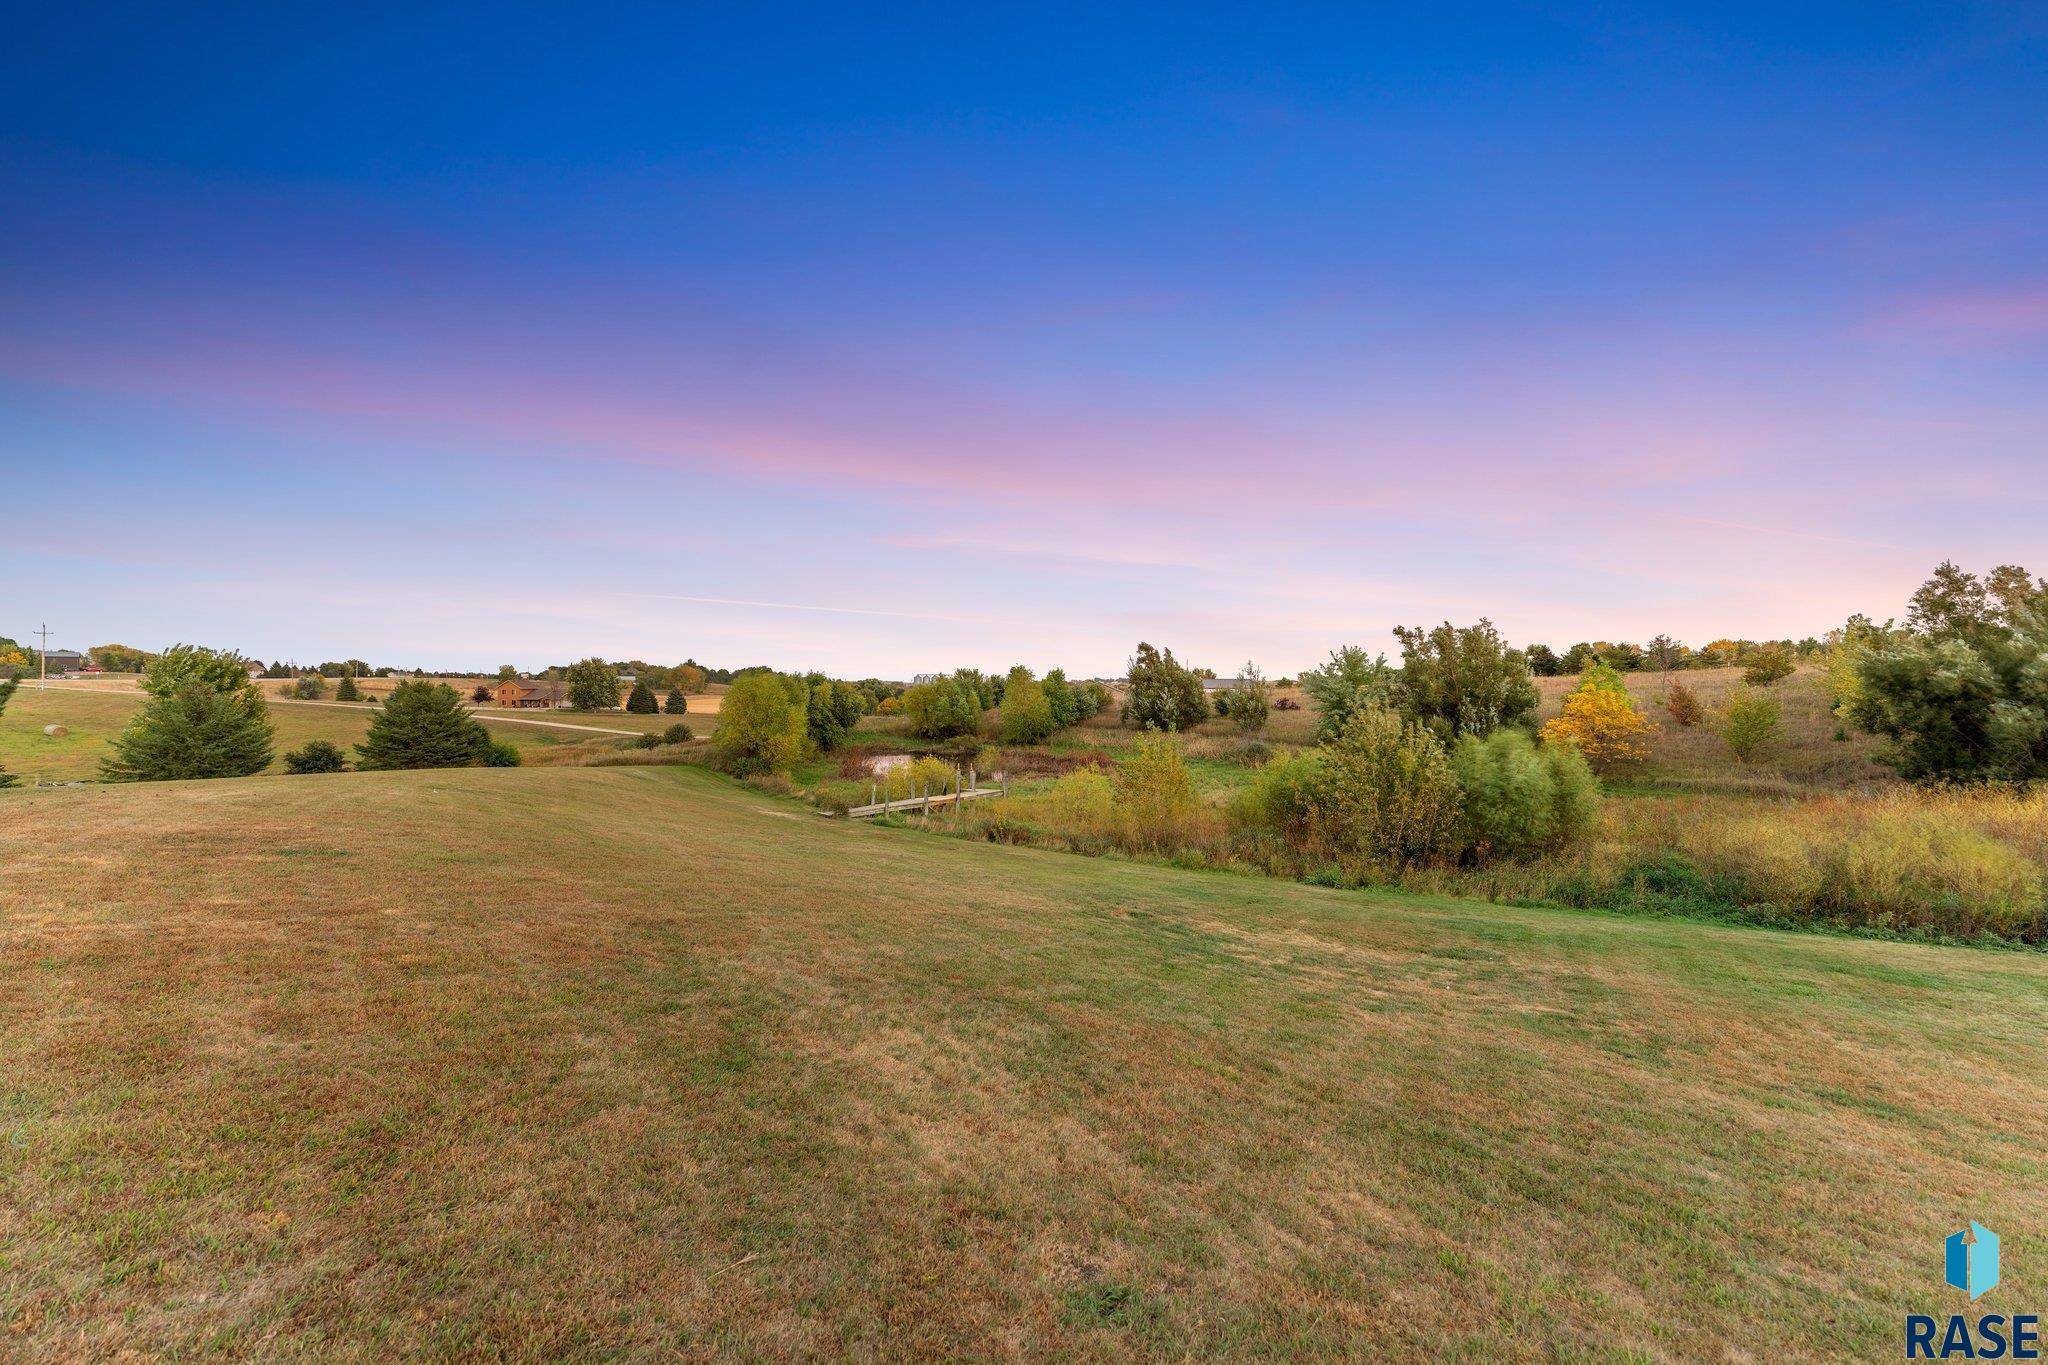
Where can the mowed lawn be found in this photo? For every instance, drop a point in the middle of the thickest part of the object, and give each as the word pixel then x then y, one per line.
pixel 624 1062
pixel 95 716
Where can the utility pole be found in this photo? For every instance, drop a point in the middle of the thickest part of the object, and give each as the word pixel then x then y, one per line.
pixel 43 659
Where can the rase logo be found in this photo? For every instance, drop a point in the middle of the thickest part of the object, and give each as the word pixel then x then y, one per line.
pixel 1970 1263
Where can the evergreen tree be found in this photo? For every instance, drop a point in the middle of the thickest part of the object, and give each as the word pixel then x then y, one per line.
pixel 346 689
pixel 315 756
pixel 423 725
pixel 195 731
pixel 640 701
pixel 677 704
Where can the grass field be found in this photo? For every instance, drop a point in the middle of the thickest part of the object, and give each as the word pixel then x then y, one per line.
pixel 580 1063
pixel 94 716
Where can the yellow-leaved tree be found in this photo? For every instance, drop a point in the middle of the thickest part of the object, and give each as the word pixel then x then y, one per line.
pixel 1601 720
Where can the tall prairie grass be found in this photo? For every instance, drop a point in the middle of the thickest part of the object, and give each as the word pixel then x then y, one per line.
pixel 1948 864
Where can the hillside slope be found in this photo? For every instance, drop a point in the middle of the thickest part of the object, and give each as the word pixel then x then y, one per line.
pixel 568 1062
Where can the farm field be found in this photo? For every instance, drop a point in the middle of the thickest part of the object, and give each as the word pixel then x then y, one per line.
pixel 96 714
pixel 568 1063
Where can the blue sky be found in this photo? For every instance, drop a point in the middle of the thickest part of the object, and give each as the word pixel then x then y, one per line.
pixel 889 341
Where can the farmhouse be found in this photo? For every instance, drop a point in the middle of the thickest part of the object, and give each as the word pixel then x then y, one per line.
pixel 529 694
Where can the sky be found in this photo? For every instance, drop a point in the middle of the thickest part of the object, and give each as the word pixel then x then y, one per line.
pixel 890 341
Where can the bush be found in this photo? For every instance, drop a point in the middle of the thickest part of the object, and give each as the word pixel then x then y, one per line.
pixel 1383 793
pixel 1155 795
pixel 498 754
pixel 678 734
pixel 1249 704
pixel 1768 666
pixel 593 685
pixel 640 701
pixel 923 776
pixel 315 756
pixel 195 731
pixel 832 709
pixel 1683 705
pixel 422 725
pixel 1521 801
pixel 7 687
pixel 309 687
pixel 1960 707
pixel 762 724
pixel 1026 716
pixel 1084 801
pixel 677 704
pixel 1749 722
pixel 645 742
pixel 1162 695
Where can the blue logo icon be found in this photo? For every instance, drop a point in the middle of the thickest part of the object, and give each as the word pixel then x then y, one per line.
pixel 1973 1260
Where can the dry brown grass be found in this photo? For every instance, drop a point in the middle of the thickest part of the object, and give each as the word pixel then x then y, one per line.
pixel 636 1063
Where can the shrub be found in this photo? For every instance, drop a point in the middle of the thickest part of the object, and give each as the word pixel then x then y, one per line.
pixel 645 742
pixel 640 701
pixel 497 753
pixel 678 733
pixel 7 688
pixel 1967 706
pixel 942 709
pixel 1084 800
pixel 1396 799
pixel 1748 723
pixel 762 723
pixel 676 704
pixel 593 685
pixel 1250 703
pixel 422 725
pixel 1290 797
pixel 1464 680
pixel 1162 694
pixel 315 756
pixel 1155 796
pixel 1600 719
pixel 1026 716
pixel 1768 666
pixel 346 689
pixel 1683 705
pixel 309 687
pixel 921 776
pixel 194 731
pixel 1521 801
pixel 1351 682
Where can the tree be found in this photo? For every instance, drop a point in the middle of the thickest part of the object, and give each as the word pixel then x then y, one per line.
pixel 481 693
pixel 1748 723
pixel 593 685
pixel 1951 603
pixel 194 731
pixel 216 670
pixel 120 658
pixel 507 673
pixel 1521 800
pixel 1600 718
pixel 1463 680
pixel 1664 652
pixel 1543 661
pixel 1352 681
pixel 1026 716
pixel 7 688
pixel 1768 666
pixel 1960 708
pixel 1154 792
pixel 422 725
pixel 831 710
pixel 315 756
pixel 676 704
pixel 761 723
pixel 1068 705
pixel 1162 694
pixel 942 709
pixel 640 701
pixel 1250 703
pixel 1683 704
pixel 346 689
pixel 688 676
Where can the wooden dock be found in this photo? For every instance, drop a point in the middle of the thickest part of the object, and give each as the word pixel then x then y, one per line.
pixel 923 803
